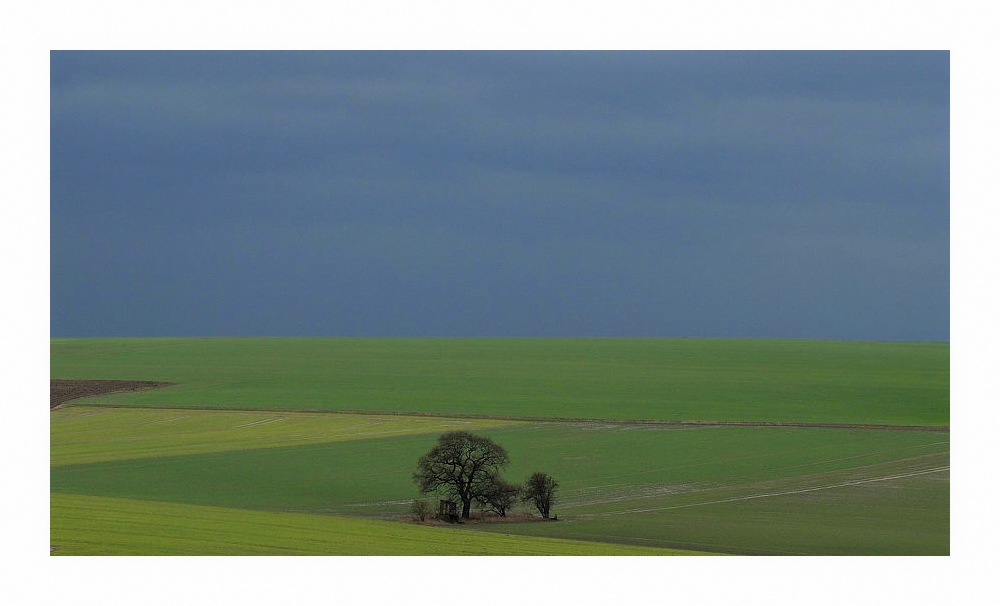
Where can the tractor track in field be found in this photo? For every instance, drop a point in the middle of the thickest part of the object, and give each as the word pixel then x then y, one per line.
pixel 64 390
pixel 777 493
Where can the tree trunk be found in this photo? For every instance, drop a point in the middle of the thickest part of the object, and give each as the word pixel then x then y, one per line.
pixel 466 508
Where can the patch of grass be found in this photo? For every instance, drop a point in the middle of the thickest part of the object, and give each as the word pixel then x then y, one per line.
pixel 86 525
pixel 701 379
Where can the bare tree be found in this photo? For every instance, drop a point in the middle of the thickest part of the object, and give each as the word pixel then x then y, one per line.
pixel 499 495
pixel 540 490
pixel 463 465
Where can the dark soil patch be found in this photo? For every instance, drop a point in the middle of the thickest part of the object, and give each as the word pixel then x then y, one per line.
pixel 64 390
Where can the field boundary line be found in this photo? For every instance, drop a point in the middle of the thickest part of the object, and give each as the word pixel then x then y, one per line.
pixel 532 419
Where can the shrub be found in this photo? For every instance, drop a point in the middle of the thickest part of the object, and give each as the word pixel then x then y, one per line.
pixel 420 508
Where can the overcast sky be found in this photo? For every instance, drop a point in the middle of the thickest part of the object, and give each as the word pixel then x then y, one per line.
pixel 730 194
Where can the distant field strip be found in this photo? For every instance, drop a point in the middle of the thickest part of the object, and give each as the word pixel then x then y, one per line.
pixel 843 384
pixel 535 419
pixel 86 434
pixel 681 423
pixel 86 525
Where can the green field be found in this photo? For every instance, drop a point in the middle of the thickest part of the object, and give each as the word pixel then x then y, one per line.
pixel 86 434
pixel 673 379
pixel 103 526
pixel 152 480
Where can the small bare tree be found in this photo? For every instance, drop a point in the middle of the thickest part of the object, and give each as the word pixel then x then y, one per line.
pixel 499 495
pixel 540 490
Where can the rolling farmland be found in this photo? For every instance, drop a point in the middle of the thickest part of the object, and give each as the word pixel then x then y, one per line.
pixel 251 428
pixel 697 379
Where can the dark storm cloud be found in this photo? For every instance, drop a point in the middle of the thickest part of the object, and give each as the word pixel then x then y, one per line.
pixel 718 194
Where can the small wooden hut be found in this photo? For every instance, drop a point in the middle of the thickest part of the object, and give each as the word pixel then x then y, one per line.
pixel 448 510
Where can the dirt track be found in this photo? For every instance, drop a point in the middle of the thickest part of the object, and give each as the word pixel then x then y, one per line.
pixel 64 390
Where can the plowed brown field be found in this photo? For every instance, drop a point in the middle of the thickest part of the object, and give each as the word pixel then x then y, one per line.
pixel 64 390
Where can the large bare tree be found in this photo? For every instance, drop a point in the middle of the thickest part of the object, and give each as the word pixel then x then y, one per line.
pixel 463 465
